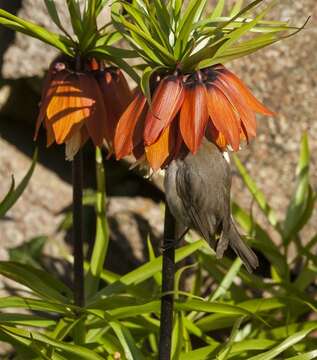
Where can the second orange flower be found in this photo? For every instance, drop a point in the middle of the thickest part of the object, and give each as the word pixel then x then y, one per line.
pixel 212 103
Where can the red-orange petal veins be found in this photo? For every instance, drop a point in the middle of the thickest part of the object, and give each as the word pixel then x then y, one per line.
pixel 50 86
pixel 124 139
pixel 223 116
pixel 194 116
pixel 68 108
pixel 238 102
pixel 96 122
pixel 158 153
pixel 250 99
pixel 167 100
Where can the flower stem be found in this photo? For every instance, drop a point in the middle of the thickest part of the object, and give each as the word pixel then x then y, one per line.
pixel 100 248
pixel 79 298
pixel 168 275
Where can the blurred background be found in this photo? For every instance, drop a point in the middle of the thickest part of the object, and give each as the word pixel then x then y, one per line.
pixel 283 76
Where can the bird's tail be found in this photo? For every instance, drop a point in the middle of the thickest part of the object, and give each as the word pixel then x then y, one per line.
pixel 246 254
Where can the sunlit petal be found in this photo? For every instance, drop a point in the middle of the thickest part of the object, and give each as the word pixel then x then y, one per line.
pixel 194 116
pixel 250 99
pixel 223 116
pixel 125 139
pixel 166 103
pixel 158 153
pixel 237 101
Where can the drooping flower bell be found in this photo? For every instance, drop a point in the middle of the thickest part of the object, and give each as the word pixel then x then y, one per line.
pixel 211 103
pixel 76 106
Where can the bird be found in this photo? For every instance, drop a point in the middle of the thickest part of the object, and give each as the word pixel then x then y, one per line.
pixel 197 188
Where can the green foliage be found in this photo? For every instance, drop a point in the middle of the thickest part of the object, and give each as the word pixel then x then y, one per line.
pixel 258 316
pixel 243 316
pixel 172 34
pixel 84 39
pixel 15 192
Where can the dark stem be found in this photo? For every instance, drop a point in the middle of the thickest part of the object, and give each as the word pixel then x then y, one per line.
pixel 78 229
pixel 168 275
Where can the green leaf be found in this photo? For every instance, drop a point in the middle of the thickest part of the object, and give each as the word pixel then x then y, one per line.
pixel 163 17
pixel 80 352
pixel 211 307
pixel 307 356
pixel 218 10
pixel 60 42
pixel 29 253
pixel 37 280
pixel 14 302
pixel 203 353
pixel 286 344
pixel 131 350
pixel 299 203
pixel 101 244
pixel 192 14
pixel 147 40
pixel 257 194
pixel 227 281
pixel 236 8
pixel 129 311
pixel 145 82
pixel 14 193
pixel 177 336
pixel 117 60
pixel 145 272
pixel 75 17
pixel 25 320
pixel 51 8
pixel 157 277
pixel 228 347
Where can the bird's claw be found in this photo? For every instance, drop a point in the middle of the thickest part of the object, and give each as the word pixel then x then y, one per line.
pixel 169 244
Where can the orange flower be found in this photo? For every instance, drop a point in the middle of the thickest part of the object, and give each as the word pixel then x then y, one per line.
pixel 76 106
pixel 212 102
pixel 116 95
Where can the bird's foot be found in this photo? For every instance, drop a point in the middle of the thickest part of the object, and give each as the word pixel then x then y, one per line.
pixel 172 243
pixel 169 244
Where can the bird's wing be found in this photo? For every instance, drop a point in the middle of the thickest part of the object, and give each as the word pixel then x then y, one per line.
pixel 191 190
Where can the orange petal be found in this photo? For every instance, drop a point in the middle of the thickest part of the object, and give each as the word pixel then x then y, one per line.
pixel 216 137
pixel 194 116
pixel 158 153
pixel 167 100
pixel 50 86
pixel 238 102
pixel 117 96
pixel 68 107
pixel 241 88
pixel 223 116
pixel 50 138
pixel 125 138
pixel 97 119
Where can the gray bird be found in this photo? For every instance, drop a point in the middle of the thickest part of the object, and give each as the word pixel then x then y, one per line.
pixel 198 194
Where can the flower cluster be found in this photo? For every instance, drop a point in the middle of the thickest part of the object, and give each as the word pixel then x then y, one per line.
pixel 211 103
pixel 78 105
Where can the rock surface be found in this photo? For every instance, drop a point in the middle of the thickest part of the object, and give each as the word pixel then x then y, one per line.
pixel 283 76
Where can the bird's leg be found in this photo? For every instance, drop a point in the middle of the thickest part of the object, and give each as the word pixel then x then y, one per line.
pixel 172 243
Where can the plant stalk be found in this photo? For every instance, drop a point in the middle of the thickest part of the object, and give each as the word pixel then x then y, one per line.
pixel 168 276
pixel 79 297
pixel 101 243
